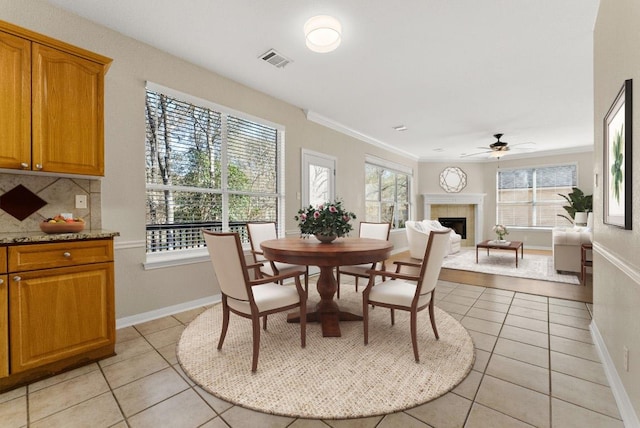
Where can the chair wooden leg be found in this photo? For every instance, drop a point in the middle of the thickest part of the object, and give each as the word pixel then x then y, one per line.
pixel 356 284
pixel 337 282
pixel 255 322
pixel 414 335
pixel 433 318
pixel 393 317
pixel 365 320
pixel 306 280
pixel 225 324
pixel 264 323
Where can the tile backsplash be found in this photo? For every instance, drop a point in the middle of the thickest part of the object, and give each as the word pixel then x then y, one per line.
pixel 60 196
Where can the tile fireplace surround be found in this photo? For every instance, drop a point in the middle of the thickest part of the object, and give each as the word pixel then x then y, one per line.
pixel 475 199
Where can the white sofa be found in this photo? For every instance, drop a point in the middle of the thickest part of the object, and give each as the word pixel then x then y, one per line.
pixel 418 233
pixel 567 243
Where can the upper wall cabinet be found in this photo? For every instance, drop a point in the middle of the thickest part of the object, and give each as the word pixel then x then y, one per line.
pixel 52 118
pixel 15 104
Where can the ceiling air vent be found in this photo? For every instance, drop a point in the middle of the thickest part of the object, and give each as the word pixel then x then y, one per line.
pixel 274 58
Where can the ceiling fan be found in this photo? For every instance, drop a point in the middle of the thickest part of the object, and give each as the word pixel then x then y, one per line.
pixel 497 149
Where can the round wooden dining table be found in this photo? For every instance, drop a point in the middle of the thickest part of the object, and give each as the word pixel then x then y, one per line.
pixel 341 252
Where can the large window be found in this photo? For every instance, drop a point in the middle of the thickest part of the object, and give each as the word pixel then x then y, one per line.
pixel 205 168
pixel 529 197
pixel 387 194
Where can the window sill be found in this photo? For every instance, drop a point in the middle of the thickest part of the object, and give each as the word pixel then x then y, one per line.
pixel 183 257
pixel 175 258
pixel 531 229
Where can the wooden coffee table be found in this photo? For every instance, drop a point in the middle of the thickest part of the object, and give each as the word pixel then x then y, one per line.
pixel 493 245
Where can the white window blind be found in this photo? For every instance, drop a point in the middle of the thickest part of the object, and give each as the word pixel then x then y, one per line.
pixel 529 197
pixel 206 169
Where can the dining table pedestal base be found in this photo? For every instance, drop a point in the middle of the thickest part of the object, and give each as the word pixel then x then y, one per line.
pixel 327 311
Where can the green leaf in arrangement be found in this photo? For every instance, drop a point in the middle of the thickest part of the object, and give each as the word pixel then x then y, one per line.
pixel 616 166
pixel 577 202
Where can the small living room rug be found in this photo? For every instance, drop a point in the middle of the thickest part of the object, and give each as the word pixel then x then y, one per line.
pixel 332 377
pixel 500 262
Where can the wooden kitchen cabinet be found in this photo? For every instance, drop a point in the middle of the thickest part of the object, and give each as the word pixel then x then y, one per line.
pixel 15 105
pixel 4 315
pixel 54 109
pixel 60 307
pixel 60 313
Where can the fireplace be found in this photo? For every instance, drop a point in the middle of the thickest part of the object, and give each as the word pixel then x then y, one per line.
pixel 458 224
pixel 475 220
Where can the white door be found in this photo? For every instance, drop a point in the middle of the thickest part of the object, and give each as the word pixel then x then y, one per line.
pixel 318 178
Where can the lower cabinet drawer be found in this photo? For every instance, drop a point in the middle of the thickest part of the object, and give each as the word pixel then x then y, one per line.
pixel 58 313
pixel 3 259
pixel 60 254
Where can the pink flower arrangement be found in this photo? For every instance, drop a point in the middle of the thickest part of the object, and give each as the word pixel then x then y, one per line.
pixel 500 230
pixel 327 219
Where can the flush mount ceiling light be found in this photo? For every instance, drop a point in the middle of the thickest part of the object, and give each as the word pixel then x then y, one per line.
pixel 400 128
pixel 322 33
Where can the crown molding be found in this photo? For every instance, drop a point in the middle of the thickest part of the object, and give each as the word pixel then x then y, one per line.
pixel 336 126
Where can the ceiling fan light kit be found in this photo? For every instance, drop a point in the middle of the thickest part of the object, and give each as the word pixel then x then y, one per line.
pixel 323 33
pixel 497 149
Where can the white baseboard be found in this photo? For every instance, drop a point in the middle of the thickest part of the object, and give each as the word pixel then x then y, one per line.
pixel 164 312
pixel 627 412
pixel 182 307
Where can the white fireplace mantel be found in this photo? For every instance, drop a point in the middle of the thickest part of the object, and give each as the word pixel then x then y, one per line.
pixel 475 199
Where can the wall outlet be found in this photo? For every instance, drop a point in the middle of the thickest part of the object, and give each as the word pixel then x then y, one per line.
pixel 625 357
pixel 81 201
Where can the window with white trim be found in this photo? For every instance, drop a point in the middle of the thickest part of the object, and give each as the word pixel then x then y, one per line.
pixel 387 194
pixel 530 197
pixel 206 168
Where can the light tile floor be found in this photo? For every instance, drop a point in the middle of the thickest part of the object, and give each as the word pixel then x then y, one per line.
pixel 536 365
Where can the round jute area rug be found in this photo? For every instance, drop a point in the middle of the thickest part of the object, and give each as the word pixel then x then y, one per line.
pixel 332 377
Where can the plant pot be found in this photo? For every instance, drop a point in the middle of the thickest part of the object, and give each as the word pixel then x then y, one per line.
pixel 325 239
pixel 580 219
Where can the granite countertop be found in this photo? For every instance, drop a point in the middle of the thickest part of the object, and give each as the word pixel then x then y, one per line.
pixel 37 236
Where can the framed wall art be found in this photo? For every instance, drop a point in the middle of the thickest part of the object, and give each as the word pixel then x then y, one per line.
pixel 617 160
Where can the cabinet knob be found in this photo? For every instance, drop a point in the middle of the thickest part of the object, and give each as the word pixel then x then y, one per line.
pixel 38 166
pixel 1 281
pixel 66 254
pixel 17 278
pixel 24 165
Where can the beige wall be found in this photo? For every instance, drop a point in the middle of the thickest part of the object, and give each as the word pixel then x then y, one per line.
pixel 617 252
pixel 123 187
pixel 481 178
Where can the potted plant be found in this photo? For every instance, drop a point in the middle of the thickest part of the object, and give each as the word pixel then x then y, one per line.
pixel 578 202
pixel 327 221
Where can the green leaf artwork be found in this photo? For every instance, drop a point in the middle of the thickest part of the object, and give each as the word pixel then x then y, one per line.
pixel 616 166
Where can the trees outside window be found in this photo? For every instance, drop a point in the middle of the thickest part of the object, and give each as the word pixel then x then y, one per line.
pixel 205 168
pixel 386 195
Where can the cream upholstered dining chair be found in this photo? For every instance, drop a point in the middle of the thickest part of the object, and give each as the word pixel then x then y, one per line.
pixel 259 232
pixel 251 298
pixel 367 230
pixel 411 296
